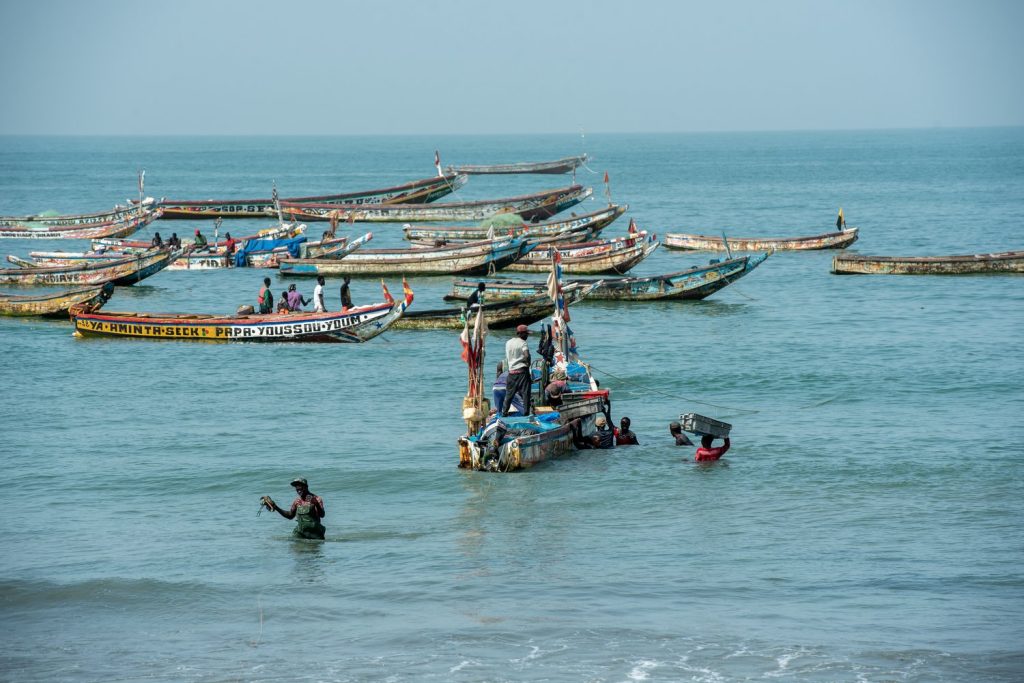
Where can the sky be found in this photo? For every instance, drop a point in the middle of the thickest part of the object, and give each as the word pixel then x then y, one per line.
pixel 319 67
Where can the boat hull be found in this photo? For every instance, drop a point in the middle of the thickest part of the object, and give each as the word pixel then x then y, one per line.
pixel 54 305
pixel 122 272
pixel 616 260
pixel 132 222
pixel 966 264
pixel 505 314
pixel 595 222
pixel 119 214
pixel 829 240
pixel 558 166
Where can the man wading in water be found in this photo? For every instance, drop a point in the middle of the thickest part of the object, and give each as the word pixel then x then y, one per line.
pixel 307 510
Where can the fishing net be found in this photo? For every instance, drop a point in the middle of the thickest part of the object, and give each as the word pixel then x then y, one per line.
pixel 502 220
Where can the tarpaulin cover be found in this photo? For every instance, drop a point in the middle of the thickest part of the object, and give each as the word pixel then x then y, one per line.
pixel 253 246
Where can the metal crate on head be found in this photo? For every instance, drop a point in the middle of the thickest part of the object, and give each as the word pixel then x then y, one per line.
pixel 698 424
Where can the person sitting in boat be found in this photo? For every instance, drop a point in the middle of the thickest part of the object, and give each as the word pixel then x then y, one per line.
pixel 555 388
pixel 517 359
pixel 346 294
pixel 676 430
pixel 307 509
pixel 706 453
pixel 174 242
pixel 157 242
pixel 477 297
pixel 200 242
pixel 295 300
pixel 266 297
pixel 606 437
pixel 623 436
pixel 282 304
pixel 498 391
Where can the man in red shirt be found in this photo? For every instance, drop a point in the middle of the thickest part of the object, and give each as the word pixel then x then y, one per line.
pixel 706 453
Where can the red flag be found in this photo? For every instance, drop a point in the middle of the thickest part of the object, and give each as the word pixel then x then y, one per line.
pixel 387 295
pixel 464 340
pixel 407 291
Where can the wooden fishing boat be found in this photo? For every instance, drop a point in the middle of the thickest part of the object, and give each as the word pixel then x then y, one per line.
pixel 595 221
pixel 828 240
pixel 354 325
pixel 566 165
pixel 966 264
pixel 692 284
pixel 617 255
pixel 118 214
pixel 129 222
pixel 504 314
pixel 530 207
pixel 121 272
pixel 55 304
pixel 418 191
pixel 473 257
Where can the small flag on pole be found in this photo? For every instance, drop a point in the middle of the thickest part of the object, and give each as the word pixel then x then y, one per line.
pixel 387 295
pixel 607 188
pixel 142 182
pixel 406 291
pixel 437 162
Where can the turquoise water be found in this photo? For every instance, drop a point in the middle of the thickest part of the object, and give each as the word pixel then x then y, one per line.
pixel 866 525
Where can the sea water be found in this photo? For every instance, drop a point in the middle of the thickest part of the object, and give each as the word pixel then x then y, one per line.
pixel 865 526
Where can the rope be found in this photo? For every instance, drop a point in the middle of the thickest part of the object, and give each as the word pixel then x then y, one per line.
pixel 675 396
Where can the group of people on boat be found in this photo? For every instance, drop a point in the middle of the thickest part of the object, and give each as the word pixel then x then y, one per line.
pixel 292 300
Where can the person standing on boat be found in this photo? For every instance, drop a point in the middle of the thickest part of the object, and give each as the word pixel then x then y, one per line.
pixel 307 509
pixel 706 453
pixel 477 297
pixel 295 300
pixel 266 297
pixel 517 359
pixel 676 430
pixel 624 437
pixel 318 295
pixel 346 295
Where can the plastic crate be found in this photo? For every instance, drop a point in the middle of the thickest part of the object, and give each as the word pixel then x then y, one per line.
pixel 699 424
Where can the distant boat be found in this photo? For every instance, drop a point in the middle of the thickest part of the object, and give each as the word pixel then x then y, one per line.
pixel 121 272
pixel 595 221
pixel 566 165
pixel 501 314
pixel 692 284
pixel 828 240
pixel 472 257
pixel 616 255
pixel 418 191
pixel 116 215
pixel 55 304
pixel 531 207
pixel 124 223
pixel 354 325
pixel 967 264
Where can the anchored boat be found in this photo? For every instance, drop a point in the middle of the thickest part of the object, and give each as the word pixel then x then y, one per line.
pixel 502 314
pixel 828 240
pixel 566 165
pixel 595 221
pixel 616 255
pixel 121 272
pixel 126 222
pixel 55 304
pixel 966 264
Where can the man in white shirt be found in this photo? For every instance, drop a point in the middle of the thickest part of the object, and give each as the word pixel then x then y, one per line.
pixel 517 360
pixel 318 295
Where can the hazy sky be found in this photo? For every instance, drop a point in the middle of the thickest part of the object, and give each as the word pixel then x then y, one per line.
pixel 516 66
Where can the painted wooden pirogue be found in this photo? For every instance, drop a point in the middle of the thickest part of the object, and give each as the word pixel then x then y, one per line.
pixel 616 255
pixel 418 191
pixel 472 257
pixel 127 223
pixel 55 304
pixel 1000 262
pixel 596 221
pixel 537 206
pixel 694 283
pixel 828 240
pixel 122 272
pixel 116 215
pixel 552 167
pixel 503 314
pixel 353 325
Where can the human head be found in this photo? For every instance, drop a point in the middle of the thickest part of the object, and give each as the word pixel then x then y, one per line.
pixel 300 484
pixel 319 279
pixel 522 331
pixel 291 287
pixel 227 235
pixel 197 231
pixel 174 235
pixel 705 441
pixel 266 281
pixel 674 428
pixel 501 367
pixel 601 421
pixel 482 286
pixel 347 279
pixel 624 424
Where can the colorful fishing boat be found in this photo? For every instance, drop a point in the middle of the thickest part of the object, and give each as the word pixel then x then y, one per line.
pixel 418 191
pixel 502 314
pixel 532 207
pixel 121 272
pixel 595 221
pixel 566 165
pixel 513 442
pixel 353 325
pixel 481 257
pixel 127 223
pixel 118 214
pixel 965 264
pixel 55 304
pixel 694 283
pixel 828 240
pixel 616 255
